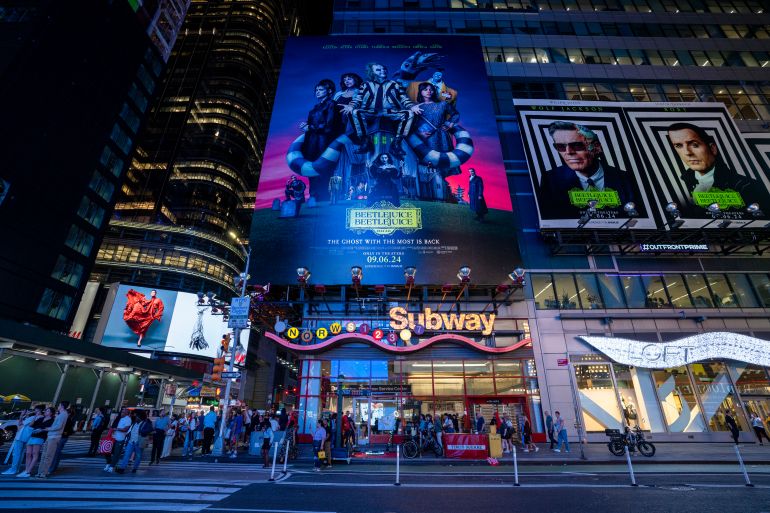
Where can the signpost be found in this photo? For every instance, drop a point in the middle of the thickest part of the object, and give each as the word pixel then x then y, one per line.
pixel 231 375
pixel 239 313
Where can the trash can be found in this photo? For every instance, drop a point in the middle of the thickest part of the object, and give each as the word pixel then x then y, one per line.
pixel 495 446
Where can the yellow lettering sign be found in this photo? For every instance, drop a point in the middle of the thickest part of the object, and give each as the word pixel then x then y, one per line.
pixel 321 333
pixel 400 319
pixel 293 333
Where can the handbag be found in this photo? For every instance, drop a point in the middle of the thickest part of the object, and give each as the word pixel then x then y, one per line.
pixel 107 442
pixel 321 455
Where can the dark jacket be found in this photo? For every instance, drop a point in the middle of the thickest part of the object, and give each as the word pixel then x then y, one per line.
pixel 556 184
pixel 752 191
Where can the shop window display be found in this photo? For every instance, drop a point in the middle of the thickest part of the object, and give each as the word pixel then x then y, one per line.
pixel 677 400
pixel 716 394
pixel 637 398
pixel 597 397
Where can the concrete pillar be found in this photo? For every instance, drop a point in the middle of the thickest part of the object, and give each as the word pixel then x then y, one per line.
pixel 161 394
pixel 121 391
pixel 61 383
pixel 96 392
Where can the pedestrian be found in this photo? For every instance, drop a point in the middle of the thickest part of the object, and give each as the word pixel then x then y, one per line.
pixel 98 423
pixel 187 427
pixel 168 442
pixel 479 422
pixel 328 443
pixel 318 439
pixel 448 426
pixel 759 427
pixel 69 429
pixel 209 423
pixel 561 433
pixel 119 434
pixel 549 429
pixel 55 433
pixel 274 424
pixel 506 429
pixel 23 433
pixel 36 440
pixel 137 441
pixel 159 437
pixel 732 426
pixel 529 445
pixel 283 420
pixel 199 430
pixel 267 441
pixel 236 428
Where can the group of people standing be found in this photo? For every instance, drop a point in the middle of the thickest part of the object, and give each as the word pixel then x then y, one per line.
pixel 40 437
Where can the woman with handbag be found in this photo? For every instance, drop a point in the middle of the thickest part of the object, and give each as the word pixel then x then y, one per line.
pixel 36 440
pixel 170 434
pixel 318 439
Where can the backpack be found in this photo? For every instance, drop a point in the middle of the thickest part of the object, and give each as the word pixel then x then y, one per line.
pixel 145 428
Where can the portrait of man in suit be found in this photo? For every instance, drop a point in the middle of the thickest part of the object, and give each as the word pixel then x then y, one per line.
pixel 583 169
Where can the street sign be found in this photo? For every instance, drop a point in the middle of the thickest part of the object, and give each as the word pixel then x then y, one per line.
pixel 239 307
pixel 238 322
pixel 231 375
pixel 562 362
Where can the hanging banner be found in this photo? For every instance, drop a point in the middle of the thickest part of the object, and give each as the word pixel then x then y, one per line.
pixel 464 446
pixel 383 153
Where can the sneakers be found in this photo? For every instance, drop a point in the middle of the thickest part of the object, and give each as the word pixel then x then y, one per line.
pixel 109 469
pixel 525 450
pixel 23 474
pixel 556 450
pixel 9 472
pixel 316 469
pixel 537 448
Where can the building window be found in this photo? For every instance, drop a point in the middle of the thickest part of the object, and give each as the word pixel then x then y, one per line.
pixel 677 399
pixel 67 271
pixel 121 139
pixel 80 241
pixel 91 212
pixel 761 284
pixel 102 186
pixel 128 115
pixel 598 401
pixel 111 161
pixel 55 304
pixel 542 288
pixel 716 394
pixel 721 292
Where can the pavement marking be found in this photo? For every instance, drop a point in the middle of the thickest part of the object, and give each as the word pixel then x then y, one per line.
pixel 101 505
pixel 708 485
pixel 122 485
pixel 116 494
pixel 446 485
pixel 268 510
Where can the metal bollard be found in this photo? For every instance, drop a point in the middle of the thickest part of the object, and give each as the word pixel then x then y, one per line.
pixel 275 454
pixel 286 456
pixel 398 465
pixel 743 467
pixel 515 468
pixel 630 467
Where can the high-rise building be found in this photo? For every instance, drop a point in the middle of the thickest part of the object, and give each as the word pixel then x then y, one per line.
pixel 76 84
pixel 585 50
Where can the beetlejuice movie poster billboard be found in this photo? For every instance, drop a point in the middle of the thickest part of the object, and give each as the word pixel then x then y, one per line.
pixel 383 153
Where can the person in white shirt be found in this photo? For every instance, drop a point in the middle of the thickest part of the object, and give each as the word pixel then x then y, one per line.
pixel 136 439
pixel 120 434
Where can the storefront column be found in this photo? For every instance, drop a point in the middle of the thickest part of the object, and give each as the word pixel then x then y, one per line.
pixel 100 374
pixel 61 383
pixel 121 391
pixel 161 394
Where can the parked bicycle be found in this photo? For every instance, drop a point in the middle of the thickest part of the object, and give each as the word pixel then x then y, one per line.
pixel 426 441
pixel 632 439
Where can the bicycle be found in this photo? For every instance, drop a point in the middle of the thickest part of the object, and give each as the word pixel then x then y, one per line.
pixel 631 439
pixel 412 449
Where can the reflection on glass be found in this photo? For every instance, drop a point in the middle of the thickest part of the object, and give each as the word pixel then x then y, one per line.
pixel 448 386
pixel 479 386
pixel 638 399
pixel 750 379
pixel 762 285
pixel 417 369
pixel 508 368
pixel 542 288
pixel 720 291
pixel 699 291
pixel 566 292
pixel 447 368
pixel 742 289
pixel 421 387
pixel 716 394
pixel 597 397
pixel 536 414
pixel 635 292
pixel 677 400
pixel 678 291
pixel 588 292
pixel 510 386
pixel 478 367
pixel 656 296
pixel 611 291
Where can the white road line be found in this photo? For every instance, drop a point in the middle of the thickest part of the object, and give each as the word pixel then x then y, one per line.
pixel 111 495
pixel 268 510
pixel 101 505
pixel 116 484
pixel 707 485
pixel 446 485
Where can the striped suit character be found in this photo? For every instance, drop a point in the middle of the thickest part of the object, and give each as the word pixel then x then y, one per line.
pixel 381 98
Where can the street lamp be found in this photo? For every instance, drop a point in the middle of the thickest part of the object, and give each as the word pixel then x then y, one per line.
pixel 589 213
pixel 357 275
pixel 632 213
pixel 409 274
pixel 464 274
pixel 672 212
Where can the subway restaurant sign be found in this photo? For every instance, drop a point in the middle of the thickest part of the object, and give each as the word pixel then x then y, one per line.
pixel 433 321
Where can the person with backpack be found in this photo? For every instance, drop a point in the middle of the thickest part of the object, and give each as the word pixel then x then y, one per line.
pixel 137 441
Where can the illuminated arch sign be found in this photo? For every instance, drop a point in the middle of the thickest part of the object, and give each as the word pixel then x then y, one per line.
pixel 705 346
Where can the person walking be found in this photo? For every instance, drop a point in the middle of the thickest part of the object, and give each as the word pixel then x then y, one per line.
pixel 267 441
pixel 188 428
pixel 199 431
pixel 36 440
pixel 236 428
pixel 209 423
pixel 55 433
pixel 549 429
pixel 168 442
pixel 561 433
pixel 137 441
pixel 23 434
pixel 759 427
pixel 732 426
pixel 98 423
pixel 529 445
pixel 119 434
pixel 69 429
pixel 318 439
pixel 159 437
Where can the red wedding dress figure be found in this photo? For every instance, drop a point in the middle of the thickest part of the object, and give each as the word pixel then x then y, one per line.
pixel 141 311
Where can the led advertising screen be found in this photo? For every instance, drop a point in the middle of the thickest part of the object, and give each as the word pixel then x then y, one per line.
pixel 383 153
pixel 599 164
pixel 142 318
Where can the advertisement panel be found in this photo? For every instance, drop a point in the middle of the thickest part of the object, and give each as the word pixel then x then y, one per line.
pixel 164 320
pixel 690 155
pixel 383 153
pixel 465 446
pixel 580 153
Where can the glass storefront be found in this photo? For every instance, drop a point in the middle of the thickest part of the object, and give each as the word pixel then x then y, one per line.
pixel 380 392
pixel 687 399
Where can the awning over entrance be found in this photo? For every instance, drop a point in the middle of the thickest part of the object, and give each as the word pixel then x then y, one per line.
pixel 697 348
pixel 33 342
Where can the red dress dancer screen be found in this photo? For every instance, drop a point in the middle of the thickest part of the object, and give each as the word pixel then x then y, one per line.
pixel 141 311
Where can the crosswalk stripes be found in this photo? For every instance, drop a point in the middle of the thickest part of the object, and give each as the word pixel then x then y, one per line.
pixel 110 494
pixel 73 446
pixel 181 465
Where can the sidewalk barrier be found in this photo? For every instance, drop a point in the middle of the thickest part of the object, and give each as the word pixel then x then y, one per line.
pixel 515 467
pixel 286 457
pixel 743 467
pixel 630 467
pixel 275 454
pixel 398 465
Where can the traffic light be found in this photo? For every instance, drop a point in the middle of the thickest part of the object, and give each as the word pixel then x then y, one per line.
pixel 219 366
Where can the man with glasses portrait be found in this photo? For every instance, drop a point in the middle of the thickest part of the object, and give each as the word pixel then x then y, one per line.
pixel 584 170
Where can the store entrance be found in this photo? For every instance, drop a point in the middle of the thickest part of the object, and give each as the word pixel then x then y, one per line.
pixel 513 406
pixel 373 416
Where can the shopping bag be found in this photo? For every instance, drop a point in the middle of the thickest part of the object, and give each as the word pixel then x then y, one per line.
pixel 106 443
pixel 321 455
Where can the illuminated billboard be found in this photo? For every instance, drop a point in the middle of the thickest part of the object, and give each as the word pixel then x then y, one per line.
pixel 639 165
pixel 142 318
pixel 383 153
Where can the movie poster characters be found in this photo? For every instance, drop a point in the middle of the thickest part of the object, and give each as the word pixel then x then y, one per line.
pixel 583 171
pixel 369 159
